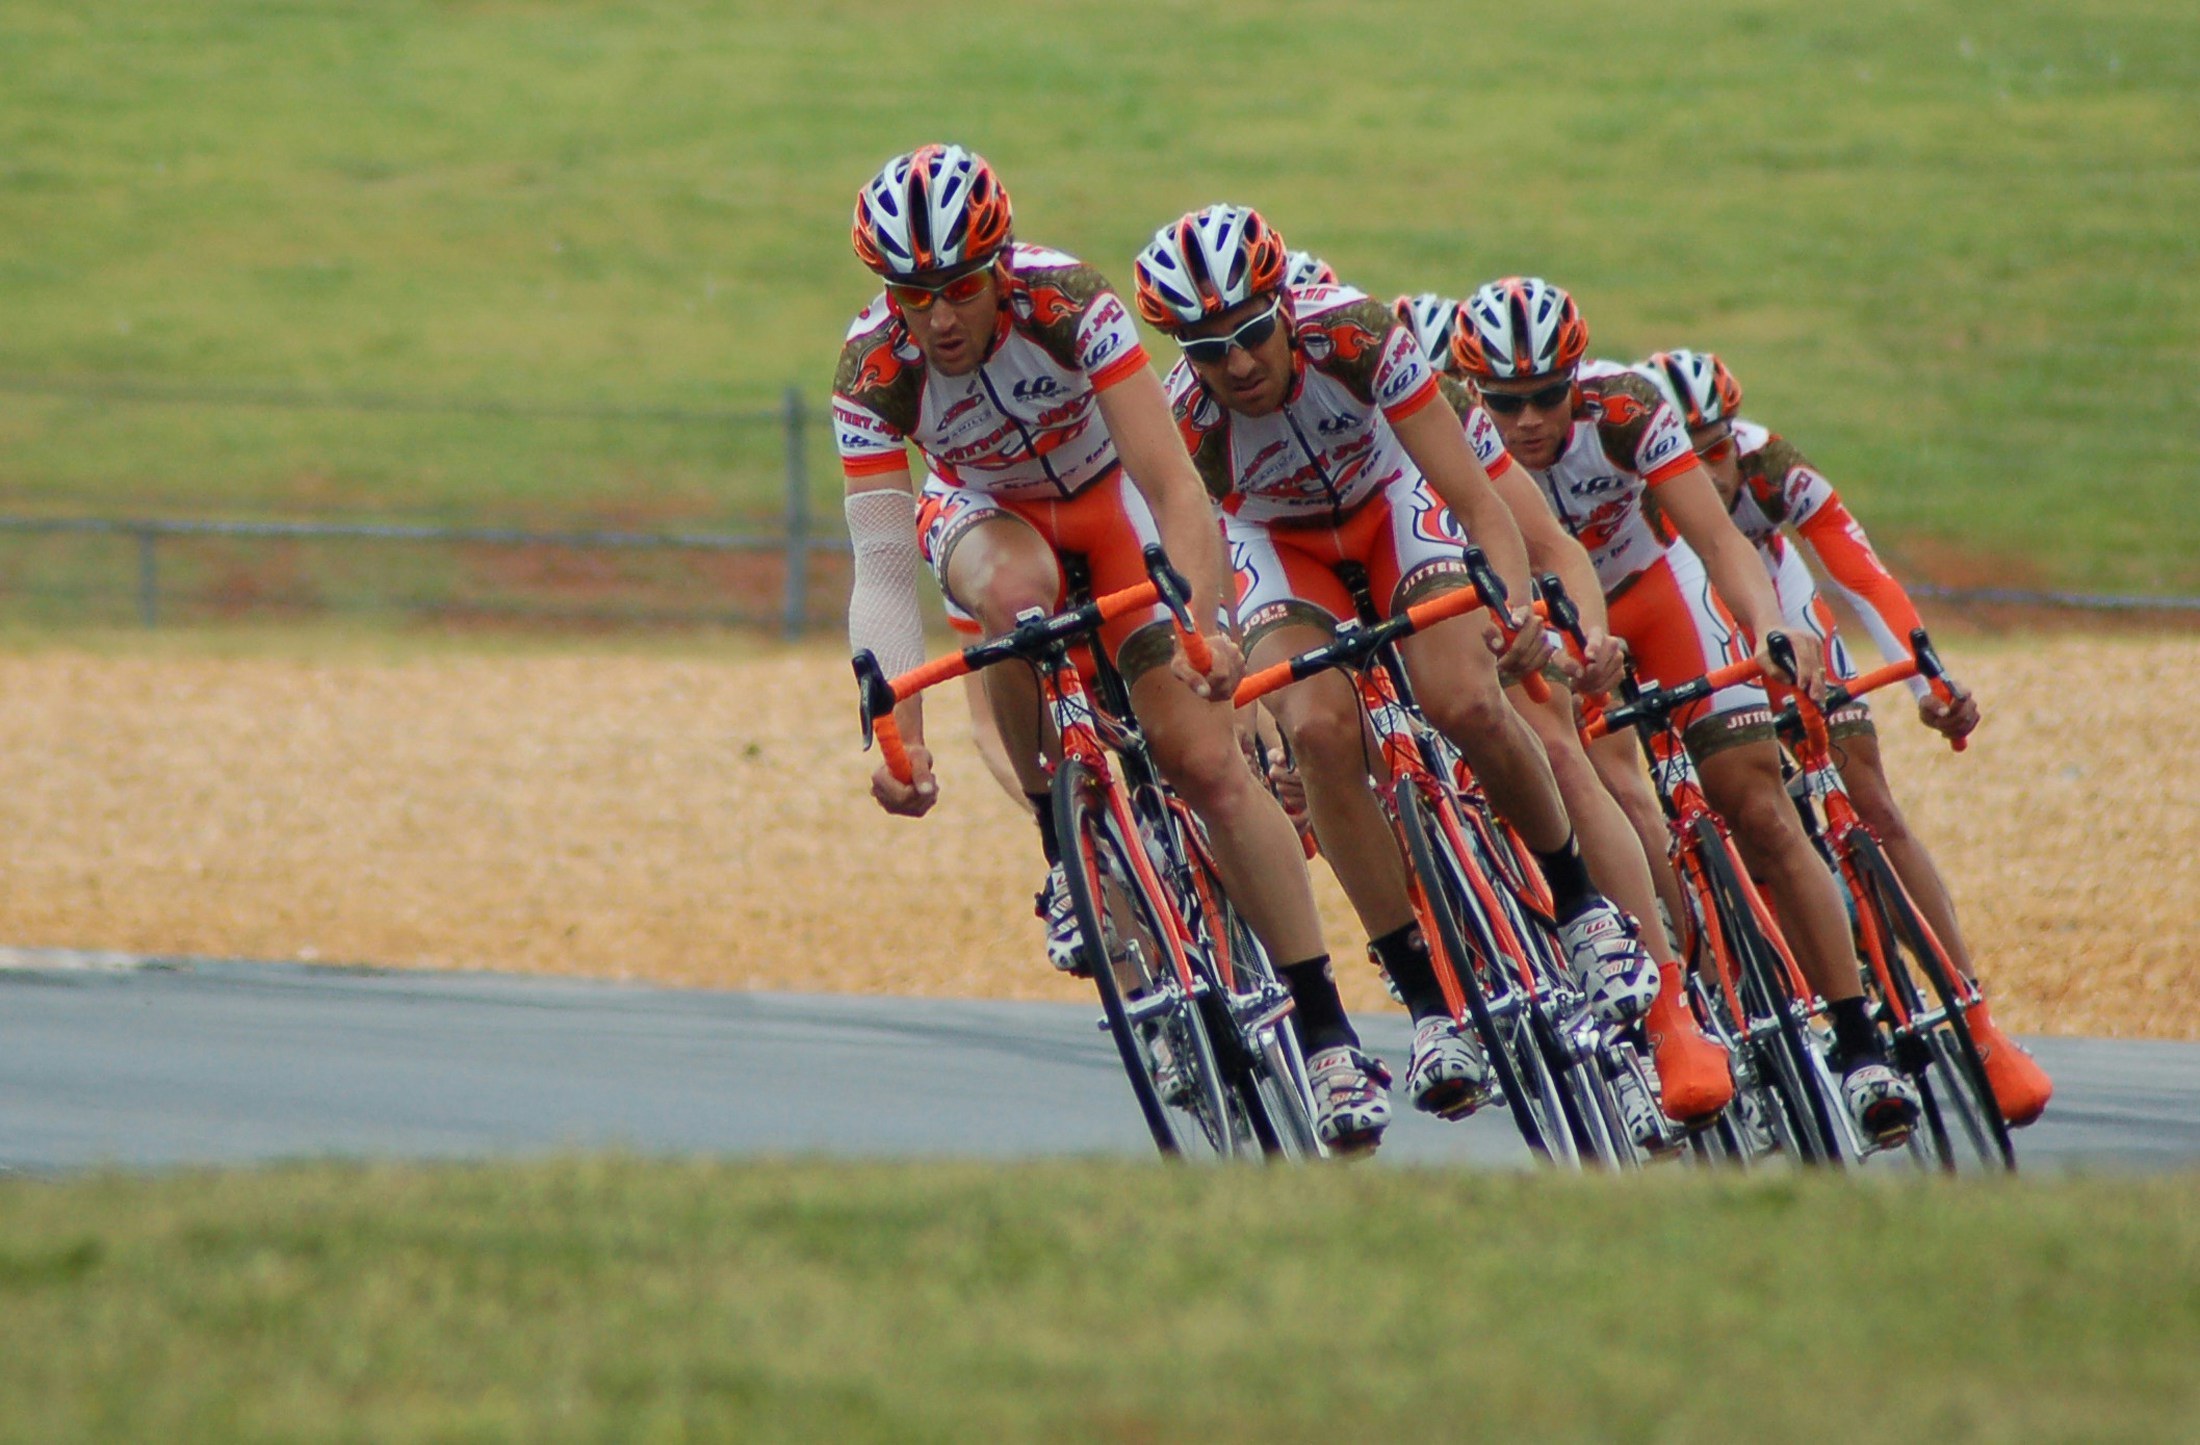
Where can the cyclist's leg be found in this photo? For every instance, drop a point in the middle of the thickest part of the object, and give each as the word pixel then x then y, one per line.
pixel 992 563
pixel 1693 1070
pixel 1617 758
pixel 1677 629
pixel 1413 554
pixel 1292 599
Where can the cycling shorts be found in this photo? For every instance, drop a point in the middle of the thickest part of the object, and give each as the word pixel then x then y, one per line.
pixel 1407 540
pixel 1804 608
pixel 1107 523
pixel 1677 630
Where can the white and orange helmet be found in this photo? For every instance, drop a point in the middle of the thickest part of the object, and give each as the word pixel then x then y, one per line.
pixel 1429 318
pixel 1304 268
pixel 1204 263
pixel 1697 384
pixel 1519 327
pixel 934 209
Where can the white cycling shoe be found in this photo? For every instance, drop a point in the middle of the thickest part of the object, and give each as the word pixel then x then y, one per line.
pixel 1881 1101
pixel 1609 963
pixel 1350 1107
pixel 1448 1077
pixel 1063 943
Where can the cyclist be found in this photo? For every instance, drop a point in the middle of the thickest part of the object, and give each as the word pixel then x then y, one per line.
pixel 1309 413
pixel 1017 374
pixel 1694 1079
pixel 1614 464
pixel 1770 487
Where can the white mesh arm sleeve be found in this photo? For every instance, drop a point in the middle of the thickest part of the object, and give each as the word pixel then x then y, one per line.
pixel 882 605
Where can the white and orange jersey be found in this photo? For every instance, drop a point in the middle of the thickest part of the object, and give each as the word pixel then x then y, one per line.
pixel 1026 423
pixel 1780 488
pixel 1626 443
pixel 1329 447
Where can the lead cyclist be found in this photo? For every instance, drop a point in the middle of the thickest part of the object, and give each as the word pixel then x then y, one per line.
pixel 1771 489
pixel 1015 372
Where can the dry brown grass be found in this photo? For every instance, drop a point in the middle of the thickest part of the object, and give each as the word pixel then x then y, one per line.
pixel 706 822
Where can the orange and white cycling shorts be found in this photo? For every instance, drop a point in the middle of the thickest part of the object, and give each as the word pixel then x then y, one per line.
pixel 1677 629
pixel 1107 524
pixel 1407 540
pixel 1803 607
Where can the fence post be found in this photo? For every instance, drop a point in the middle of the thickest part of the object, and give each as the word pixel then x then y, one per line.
pixel 148 578
pixel 793 617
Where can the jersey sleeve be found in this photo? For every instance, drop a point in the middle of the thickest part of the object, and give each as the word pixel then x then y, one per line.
pixel 1639 431
pixel 1073 313
pixel 1481 432
pixel 1361 344
pixel 1860 577
pixel 1205 429
pixel 875 391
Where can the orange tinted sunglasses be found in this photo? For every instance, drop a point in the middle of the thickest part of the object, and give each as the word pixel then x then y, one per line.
pixel 1719 450
pixel 963 288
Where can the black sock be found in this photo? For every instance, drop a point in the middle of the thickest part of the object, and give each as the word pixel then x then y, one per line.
pixel 1571 890
pixel 1320 1013
pixel 1042 808
pixel 1855 1040
pixel 1404 953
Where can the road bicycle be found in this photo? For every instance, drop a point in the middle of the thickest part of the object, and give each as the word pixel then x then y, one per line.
pixel 1483 913
pixel 1927 1033
pixel 1199 1016
pixel 1745 987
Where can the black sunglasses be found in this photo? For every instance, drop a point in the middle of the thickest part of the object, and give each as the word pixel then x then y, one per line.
pixel 1214 350
pixel 1509 403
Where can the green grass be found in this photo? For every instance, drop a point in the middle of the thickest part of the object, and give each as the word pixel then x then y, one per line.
pixel 1948 247
pixel 617 1300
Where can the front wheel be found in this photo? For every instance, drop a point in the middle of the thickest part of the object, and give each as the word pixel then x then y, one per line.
pixel 1132 938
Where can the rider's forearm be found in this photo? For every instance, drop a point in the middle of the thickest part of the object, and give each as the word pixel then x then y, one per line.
pixel 1186 520
pixel 1551 548
pixel 1739 579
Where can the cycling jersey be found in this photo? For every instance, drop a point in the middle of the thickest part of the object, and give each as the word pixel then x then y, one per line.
pixel 1625 443
pixel 1330 446
pixel 1780 487
pixel 1026 423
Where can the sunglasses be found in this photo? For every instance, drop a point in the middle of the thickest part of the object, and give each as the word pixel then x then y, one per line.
pixel 1717 451
pixel 1510 403
pixel 966 287
pixel 1214 350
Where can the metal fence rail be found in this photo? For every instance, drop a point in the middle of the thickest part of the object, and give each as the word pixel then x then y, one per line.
pixel 795 542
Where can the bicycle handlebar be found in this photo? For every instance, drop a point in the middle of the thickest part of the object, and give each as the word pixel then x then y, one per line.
pixel 1657 702
pixel 1354 643
pixel 878 695
pixel 1923 662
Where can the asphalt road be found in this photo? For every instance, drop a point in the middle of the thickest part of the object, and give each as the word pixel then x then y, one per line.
pixel 106 1061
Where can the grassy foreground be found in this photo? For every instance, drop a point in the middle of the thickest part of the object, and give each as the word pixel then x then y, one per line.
pixel 614 1299
pixel 1947 247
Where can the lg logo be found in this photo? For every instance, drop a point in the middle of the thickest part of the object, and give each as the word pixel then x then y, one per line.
pixel 1036 388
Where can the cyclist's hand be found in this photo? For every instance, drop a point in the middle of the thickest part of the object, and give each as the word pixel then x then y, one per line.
pixel 1603 662
pixel 1222 677
pixel 914 798
pixel 1532 648
pixel 1952 720
pixel 1810 663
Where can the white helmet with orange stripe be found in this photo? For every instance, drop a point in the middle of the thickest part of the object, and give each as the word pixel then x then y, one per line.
pixel 1697 384
pixel 1304 268
pixel 1204 263
pixel 1429 317
pixel 1521 326
pixel 937 208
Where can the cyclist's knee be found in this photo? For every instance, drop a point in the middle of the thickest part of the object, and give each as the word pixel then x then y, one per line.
pixel 1467 716
pixel 1207 772
pixel 1327 737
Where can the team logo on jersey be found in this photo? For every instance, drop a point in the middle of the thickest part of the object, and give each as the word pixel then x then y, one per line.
pixel 1595 486
pixel 1602 525
pixel 1347 341
pixel 1620 409
pixel 1664 444
pixel 1042 305
pixel 1036 388
pixel 1433 522
pixel 1102 348
pixel 959 410
pixel 880 367
pixel 1338 425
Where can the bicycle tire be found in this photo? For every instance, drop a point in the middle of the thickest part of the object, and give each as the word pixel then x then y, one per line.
pixel 1530 1092
pixel 1947 1053
pixel 1792 1073
pixel 1110 898
pixel 1276 1091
